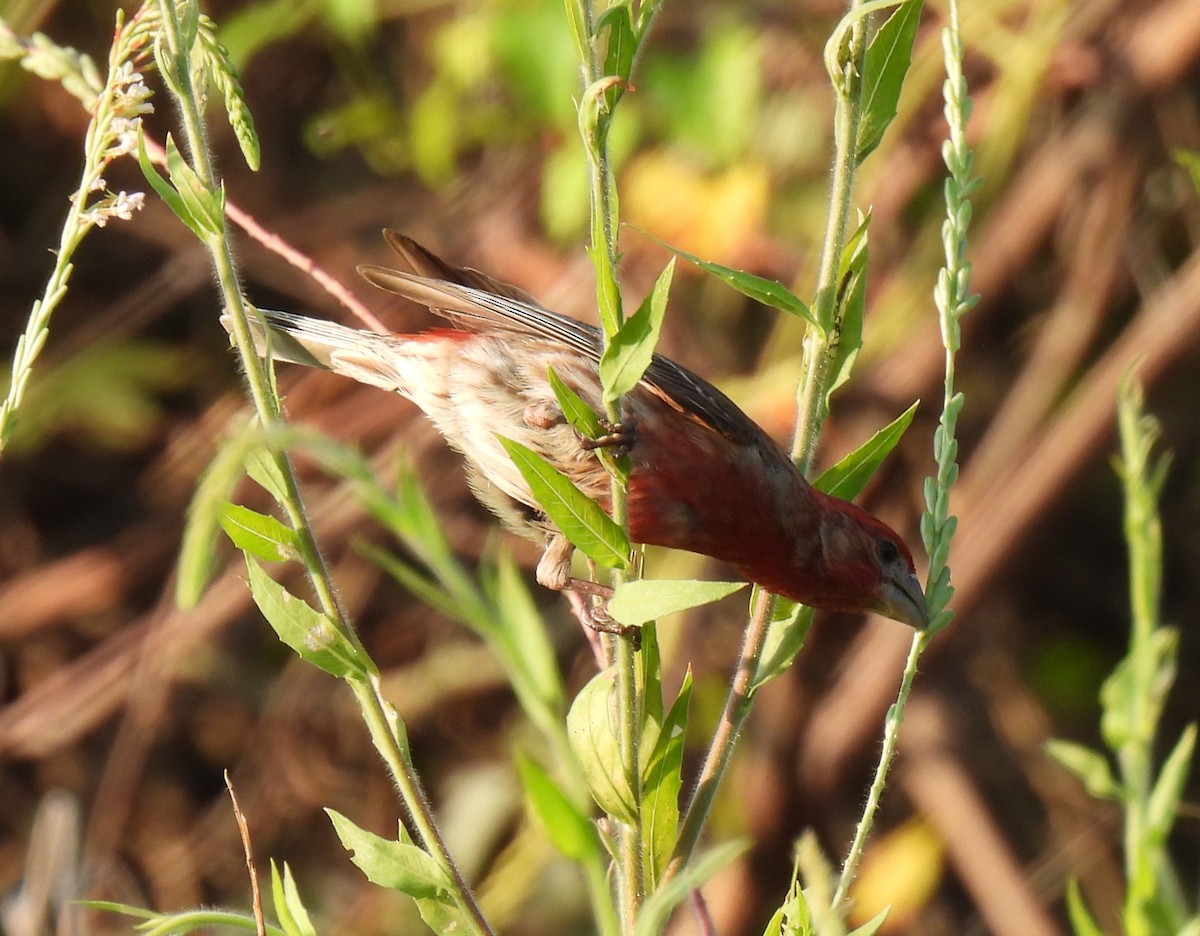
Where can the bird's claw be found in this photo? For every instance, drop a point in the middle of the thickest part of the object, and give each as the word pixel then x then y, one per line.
pixel 618 437
pixel 594 614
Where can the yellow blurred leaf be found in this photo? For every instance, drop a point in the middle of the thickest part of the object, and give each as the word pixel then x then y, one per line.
pixel 711 215
pixel 902 871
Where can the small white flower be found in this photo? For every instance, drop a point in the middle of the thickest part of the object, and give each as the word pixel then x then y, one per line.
pixel 126 204
pixel 124 132
pixel 99 185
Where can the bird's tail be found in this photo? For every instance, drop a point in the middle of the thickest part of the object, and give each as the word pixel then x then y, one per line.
pixel 365 356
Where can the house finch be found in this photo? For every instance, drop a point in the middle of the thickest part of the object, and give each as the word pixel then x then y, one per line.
pixel 703 476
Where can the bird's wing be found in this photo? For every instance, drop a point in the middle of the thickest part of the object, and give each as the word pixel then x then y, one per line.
pixel 476 302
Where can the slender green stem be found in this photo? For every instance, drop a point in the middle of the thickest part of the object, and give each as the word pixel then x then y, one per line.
pixel 819 344
pixel 720 750
pixel 111 103
pixel 386 731
pixel 813 387
pixel 937 526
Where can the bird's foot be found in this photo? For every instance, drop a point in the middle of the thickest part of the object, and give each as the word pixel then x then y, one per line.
pixel 594 614
pixel 618 438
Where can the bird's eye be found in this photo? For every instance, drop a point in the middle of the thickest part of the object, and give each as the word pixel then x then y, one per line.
pixel 888 551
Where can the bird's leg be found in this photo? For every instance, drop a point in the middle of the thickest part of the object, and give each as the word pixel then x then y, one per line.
pixel 618 437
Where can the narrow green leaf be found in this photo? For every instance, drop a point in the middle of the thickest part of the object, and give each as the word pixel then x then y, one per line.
pixel 581 417
pixel 618 59
pixel 206 209
pixel 311 634
pixel 525 645
pixel 1090 767
pixel 873 925
pixel 1168 788
pixel 849 476
pixel 637 602
pixel 580 518
pixel 659 906
pixel 586 421
pixel 592 727
pixel 851 304
pixel 196 554
pixel 1082 921
pixel 770 293
pixel 289 908
pixel 258 534
pixel 631 349
pixel 786 633
pixel 264 470
pixel 409 578
pixel 661 782
pixel 793 918
pixel 885 65
pixel 395 865
pixel 165 190
pixel 569 830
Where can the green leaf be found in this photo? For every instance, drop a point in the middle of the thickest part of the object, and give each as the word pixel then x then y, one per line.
pixel 206 208
pixel 262 467
pixel 661 782
pixel 1130 710
pixel 884 67
pixel 592 727
pixel 395 865
pixel 196 555
pixel 289 908
pixel 873 925
pixel 658 908
pixel 580 518
pixel 580 417
pixel 1090 767
pixel 201 210
pixel 793 918
pixel 638 602
pixel 786 633
pixel 525 646
pixel 1168 788
pixel 849 476
pixel 618 59
pixel 258 534
pixel 631 349
pixel 1191 162
pixel 165 190
pixel 1082 921
pixel 569 830
pixel 311 634
pixel 586 421
pixel 770 293
pixel 851 302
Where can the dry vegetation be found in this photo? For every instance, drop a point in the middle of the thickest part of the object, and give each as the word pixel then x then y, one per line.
pixel 119 712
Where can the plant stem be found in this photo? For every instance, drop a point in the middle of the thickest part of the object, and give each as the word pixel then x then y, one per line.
pixel 937 526
pixel 720 750
pixel 381 719
pixel 595 115
pixel 811 396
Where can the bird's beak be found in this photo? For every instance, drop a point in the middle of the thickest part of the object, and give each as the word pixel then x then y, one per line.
pixel 904 601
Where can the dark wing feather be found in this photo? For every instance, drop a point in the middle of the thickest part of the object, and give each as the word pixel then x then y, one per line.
pixel 476 302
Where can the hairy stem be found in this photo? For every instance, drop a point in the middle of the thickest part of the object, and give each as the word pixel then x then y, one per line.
pixel 953 300
pixel 381 719
pixel 814 383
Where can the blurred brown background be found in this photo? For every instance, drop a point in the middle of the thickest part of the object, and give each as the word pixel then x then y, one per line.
pixel 454 123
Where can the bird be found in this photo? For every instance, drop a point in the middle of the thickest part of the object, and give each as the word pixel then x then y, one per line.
pixel 703 476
